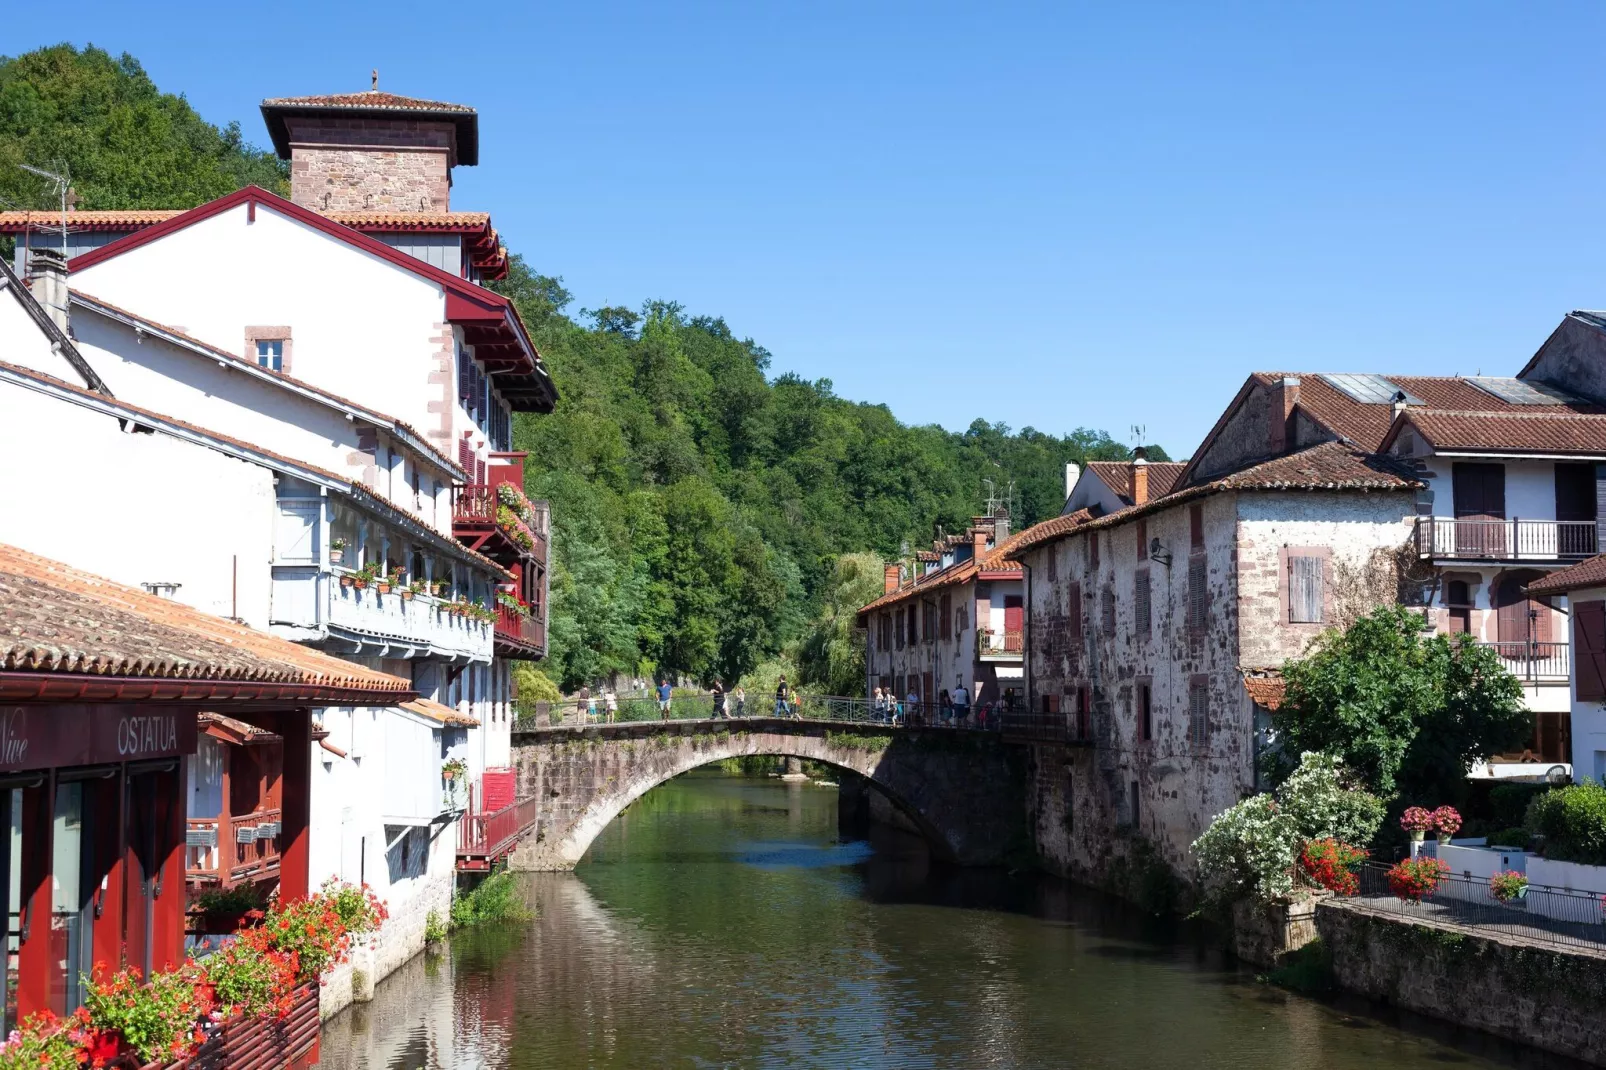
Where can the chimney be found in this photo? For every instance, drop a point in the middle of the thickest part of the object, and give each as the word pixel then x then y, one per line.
pixel 47 279
pixel 1072 474
pixel 1284 396
pixel 889 579
pixel 1399 403
pixel 1140 476
pixel 978 542
pixel 1000 526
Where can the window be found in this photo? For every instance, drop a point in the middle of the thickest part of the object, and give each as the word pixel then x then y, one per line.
pixel 1199 711
pixel 1093 550
pixel 898 628
pixel 913 626
pixel 947 614
pixel 1084 712
pixel 1145 698
pixel 1074 612
pixel 1142 529
pixel 1305 589
pixel 960 622
pixel 1140 603
pixel 1053 564
pixel 1108 611
pixel 270 353
pixel 1458 598
pixel 1198 574
pixel 1196 526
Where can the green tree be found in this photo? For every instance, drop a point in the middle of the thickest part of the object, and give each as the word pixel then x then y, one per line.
pixel 831 655
pixel 124 143
pixel 1408 711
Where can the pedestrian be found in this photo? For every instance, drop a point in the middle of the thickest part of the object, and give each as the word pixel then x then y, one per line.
pixel 739 700
pixel 581 703
pixel 719 702
pixel 610 701
pixel 665 693
pixel 591 706
pixel 878 707
pixel 797 705
pixel 945 705
pixel 961 702
pixel 781 694
pixel 911 704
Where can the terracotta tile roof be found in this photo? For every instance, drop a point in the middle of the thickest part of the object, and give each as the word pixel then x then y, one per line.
pixel 419 442
pixel 146 417
pixel 1117 475
pixel 464 221
pixel 995 560
pixel 368 98
pixel 435 711
pixel 79 219
pixel 1525 432
pixel 1266 690
pixel 1590 573
pixel 236 731
pixel 1049 530
pixel 59 619
pixel 1328 466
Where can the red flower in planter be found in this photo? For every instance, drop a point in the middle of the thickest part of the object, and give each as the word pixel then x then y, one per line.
pixel 1415 879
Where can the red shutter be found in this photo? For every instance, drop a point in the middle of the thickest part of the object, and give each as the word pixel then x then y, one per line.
pixel 1196 525
pixel 465 458
pixel 1589 633
pixel 1074 611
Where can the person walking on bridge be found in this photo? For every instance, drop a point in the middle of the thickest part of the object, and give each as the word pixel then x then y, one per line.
pixel 610 700
pixel 739 696
pixel 665 693
pixel 961 703
pixel 719 702
pixel 781 694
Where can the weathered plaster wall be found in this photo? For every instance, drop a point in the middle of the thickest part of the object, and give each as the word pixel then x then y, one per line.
pixel 963 790
pixel 1573 357
pixel 1245 437
pixel 1538 994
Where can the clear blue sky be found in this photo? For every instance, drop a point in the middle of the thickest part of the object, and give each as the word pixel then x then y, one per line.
pixel 1051 216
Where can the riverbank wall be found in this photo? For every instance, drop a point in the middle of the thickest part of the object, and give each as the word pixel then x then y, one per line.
pixel 398 941
pixel 1544 995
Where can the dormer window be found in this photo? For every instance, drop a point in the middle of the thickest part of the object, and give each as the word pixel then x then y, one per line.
pixel 269 347
pixel 270 354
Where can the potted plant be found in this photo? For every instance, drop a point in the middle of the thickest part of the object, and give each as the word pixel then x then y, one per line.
pixel 1414 879
pixel 337 549
pixel 1508 886
pixel 1446 822
pixel 455 769
pixel 1331 864
pixel 222 910
pixel 366 575
pixel 1416 820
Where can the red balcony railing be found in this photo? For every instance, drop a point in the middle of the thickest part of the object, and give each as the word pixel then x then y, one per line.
pixel 475 504
pixel 483 839
pixel 231 848
pixel 516 629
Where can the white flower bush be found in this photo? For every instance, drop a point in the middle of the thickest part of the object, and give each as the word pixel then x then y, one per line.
pixel 1253 848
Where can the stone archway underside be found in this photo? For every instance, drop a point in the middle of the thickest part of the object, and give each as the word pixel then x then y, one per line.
pixel 963 790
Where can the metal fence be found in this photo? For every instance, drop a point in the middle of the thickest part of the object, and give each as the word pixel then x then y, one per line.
pixel 1550 915
pixel 700 706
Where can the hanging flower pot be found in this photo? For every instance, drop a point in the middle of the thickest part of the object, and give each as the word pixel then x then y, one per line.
pixel 383 586
pixel 346 581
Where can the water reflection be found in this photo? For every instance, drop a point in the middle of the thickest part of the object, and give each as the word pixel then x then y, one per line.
pixel 724 923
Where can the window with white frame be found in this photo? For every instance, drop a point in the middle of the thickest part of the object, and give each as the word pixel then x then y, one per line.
pixel 270 353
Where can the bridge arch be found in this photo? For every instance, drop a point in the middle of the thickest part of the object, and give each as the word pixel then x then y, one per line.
pixel 961 790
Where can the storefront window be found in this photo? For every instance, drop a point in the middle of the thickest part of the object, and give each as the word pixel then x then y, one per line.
pixel 11 884
pixel 69 913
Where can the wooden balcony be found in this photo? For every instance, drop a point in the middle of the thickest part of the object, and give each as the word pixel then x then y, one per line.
pixel 519 635
pixel 485 839
pixel 1000 646
pixel 1515 539
pixel 1534 663
pixel 474 512
pixel 229 849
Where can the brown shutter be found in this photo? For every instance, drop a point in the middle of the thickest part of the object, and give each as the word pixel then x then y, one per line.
pixel 1196 525
pixel 1074 614
pixel 1305 590
pixel 1198 711
pixel 1198 574
pixel 1143 537
pixel 1140 603
pixel 1109 611
pixel 1093 550
pixel 1589 633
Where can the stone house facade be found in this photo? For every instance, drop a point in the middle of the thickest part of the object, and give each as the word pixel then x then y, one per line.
pixel 1154 635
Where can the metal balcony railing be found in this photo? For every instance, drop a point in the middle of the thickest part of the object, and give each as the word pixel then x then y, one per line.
pixel 1000 644
pixel 1515 539
pixel 1534 661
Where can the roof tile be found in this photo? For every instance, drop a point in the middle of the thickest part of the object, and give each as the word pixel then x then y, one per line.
pixel 1590 573
pixel 1117 475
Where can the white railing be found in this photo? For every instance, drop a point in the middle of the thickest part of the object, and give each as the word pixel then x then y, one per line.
pixel 419 620
pixel 1516 539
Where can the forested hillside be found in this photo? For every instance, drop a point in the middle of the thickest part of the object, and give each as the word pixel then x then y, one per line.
pixel 702 499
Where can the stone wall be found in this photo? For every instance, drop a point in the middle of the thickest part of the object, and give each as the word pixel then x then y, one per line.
pixel 351 165
pixel 961 790
pixel 398 940
pixel 1538 994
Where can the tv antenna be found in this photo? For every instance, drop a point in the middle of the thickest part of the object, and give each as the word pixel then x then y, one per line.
pixel 1140 433
pixel 63 187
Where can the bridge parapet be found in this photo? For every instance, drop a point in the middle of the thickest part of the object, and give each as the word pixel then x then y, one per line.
pixel 963 790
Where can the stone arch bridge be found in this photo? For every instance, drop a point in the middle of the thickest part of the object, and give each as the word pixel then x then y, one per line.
pixel 962 790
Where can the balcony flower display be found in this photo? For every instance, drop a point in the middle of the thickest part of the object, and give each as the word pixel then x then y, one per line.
pixel 456 769
pixel 1416 820
pixel 1446 822
pixel 1331 864
pixel 514 528
pixel 169 1017
pixel 509 601
pixel 1414 879
pixel 1508 885
pixel 511 496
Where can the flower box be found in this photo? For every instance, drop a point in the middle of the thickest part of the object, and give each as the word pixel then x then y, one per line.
pixel 263 1041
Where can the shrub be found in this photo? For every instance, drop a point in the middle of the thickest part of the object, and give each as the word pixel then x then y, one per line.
pixel 1508 885
pixel 250 977
pixel 496 899
pixel 1331 864
pixel 1573 822
pixel 1324 801
pixel 235 900
pixel 1414 879
pixel 157 1021
pixel 1513 837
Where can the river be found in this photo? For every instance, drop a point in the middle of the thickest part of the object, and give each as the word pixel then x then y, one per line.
pixel 724 922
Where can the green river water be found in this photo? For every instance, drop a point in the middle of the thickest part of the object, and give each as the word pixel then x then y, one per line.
pixel 725 922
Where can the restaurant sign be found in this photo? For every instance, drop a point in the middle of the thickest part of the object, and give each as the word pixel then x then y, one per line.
pixel 39 737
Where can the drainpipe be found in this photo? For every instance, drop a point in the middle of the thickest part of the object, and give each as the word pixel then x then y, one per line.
pixel 1026 638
